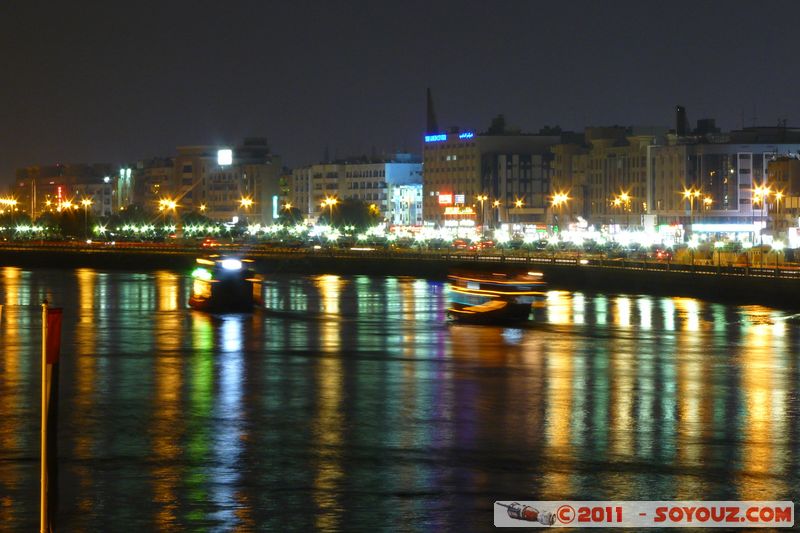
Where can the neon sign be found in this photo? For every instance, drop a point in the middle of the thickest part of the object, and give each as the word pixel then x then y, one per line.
pixel 439 137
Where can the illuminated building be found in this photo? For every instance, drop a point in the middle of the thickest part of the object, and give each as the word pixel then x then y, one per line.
pixel 43 188
pixel 603 164
pixel 124 188
pixel 783 174
pixel 152 181
pixel 406 205
pixel 393 183
pixel 218 178
pixel 313 183
pixel 570 174
pixel 651 168
pixel 504 164
pixel 726 168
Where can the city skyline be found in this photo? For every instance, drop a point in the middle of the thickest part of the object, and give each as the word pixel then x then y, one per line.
pixel 114 83
pixel 420 265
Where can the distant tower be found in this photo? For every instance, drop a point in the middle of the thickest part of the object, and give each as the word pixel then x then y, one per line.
pixel 431 127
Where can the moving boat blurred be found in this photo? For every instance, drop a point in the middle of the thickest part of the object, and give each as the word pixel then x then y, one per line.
pixel 493 298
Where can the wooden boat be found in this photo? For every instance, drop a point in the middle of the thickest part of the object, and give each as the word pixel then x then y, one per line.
pixel 224 284
pixel 493 298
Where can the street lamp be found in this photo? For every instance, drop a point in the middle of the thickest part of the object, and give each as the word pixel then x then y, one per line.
pixel 329 202
pixel 203 208
pixel 165 205
pixel 245 203
pixel 86 202
pixel 760 195
pixel 778 197
pixel 691 195
pixel 623 201
pixel 482 198
pixel 559 199
pixel 756 199
pixel 496 205
pixel 518 204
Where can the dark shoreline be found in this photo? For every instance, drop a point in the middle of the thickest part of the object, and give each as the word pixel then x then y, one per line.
pixel 711 285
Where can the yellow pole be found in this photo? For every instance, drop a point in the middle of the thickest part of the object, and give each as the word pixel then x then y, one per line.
pixel 43 487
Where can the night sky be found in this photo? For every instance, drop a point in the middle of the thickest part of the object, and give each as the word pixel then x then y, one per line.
pixel 119 81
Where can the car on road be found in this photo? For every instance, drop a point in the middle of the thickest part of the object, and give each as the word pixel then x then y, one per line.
pixel 661 254
pixel 481 245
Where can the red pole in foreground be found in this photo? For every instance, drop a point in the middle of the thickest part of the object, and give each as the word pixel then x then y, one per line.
pixel 51 343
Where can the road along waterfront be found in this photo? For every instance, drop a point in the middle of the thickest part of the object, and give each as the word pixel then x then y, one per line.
pixel 348 403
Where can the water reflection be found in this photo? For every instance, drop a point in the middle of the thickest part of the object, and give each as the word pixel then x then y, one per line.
pixel 351 404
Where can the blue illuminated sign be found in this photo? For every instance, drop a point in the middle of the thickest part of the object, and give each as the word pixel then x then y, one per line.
pixel 436 138
pixel 466 135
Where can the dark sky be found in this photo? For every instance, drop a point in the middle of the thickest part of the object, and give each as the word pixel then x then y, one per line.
pixel 119 81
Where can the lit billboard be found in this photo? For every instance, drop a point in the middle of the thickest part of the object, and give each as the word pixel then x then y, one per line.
pixel 224 157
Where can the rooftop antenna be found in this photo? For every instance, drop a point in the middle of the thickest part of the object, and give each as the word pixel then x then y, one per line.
pixel 431 126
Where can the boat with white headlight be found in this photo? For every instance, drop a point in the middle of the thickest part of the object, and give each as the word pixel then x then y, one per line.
pixel 225 284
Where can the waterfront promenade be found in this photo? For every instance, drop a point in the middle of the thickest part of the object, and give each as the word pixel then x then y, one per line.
pixel 772 285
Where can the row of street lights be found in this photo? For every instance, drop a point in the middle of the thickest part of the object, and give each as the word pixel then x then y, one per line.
pixel 168 204
pixel 692 195
pixel 8 204
pixel 69 205
pixel 558 199
pixel 761 195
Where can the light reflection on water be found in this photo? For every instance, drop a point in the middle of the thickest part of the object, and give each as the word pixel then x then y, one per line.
pixel 350 404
